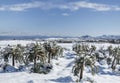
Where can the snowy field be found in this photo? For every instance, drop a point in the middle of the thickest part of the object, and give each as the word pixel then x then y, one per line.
pixel 62 69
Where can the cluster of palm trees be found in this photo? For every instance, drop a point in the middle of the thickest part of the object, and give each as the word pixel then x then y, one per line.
pixel 52 50
pixel 87 55
pixel 13 52
pixel 36 53
pixel 114 56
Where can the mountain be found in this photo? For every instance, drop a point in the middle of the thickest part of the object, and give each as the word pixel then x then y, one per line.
pixel 109 37
pixel 86 37
pixel 24 35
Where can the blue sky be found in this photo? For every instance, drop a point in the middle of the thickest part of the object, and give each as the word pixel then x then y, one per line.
pixel 60 17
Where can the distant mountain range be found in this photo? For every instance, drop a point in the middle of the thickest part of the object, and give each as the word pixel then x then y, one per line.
pixel 31 37
pixel 101 37
pixel 85 37
pixel 109 37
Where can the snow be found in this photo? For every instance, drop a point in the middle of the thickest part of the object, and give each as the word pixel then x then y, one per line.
pixel 50 39
pixel 15 42
pixel 62 69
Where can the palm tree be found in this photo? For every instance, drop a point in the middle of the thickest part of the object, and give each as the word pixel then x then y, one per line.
pixel 110 50
pixel 115 57
pixel 60 51
pixel 17 54
pixel 51 49
pixel 48 47
pixel 85 58
pixel 6 53
pixel 36 53
pixel 92 49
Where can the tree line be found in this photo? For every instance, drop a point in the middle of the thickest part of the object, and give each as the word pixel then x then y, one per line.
pixel 39 54
pixel 88 55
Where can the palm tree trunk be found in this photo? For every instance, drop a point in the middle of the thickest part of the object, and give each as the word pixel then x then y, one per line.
pixel 118 61
pixel 13 60
pixel 49 56
pixel 81 70
pixel 113 63
pixel 35 63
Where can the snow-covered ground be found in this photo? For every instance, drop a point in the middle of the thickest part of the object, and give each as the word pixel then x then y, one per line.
pixel 62 69
pixel 4 43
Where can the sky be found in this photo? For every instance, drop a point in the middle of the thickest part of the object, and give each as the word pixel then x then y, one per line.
pixel 60 17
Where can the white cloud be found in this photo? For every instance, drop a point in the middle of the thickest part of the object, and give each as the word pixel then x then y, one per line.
pixel 65 14
pixel 95 6
pixel 74 6
pixel 2 8
pixel 117 8
pixel 25 6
